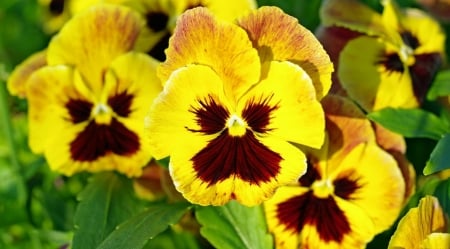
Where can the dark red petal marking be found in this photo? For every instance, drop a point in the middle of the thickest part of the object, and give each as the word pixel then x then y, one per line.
pixel 410 39
pixel 324 214
pixel 423 72
pixel 311 175
pixel 97 140
pixel 257 114
pixel 392 63
pixel 211 116
pixel 345 186
pixel 79 110
pixel 245 157
pixel 56 7
pixel 121 103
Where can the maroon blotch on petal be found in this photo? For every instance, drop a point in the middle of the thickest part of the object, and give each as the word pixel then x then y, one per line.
pixel 79 110
pixel 311 175
pixel 121 103
pixel 97 140
pixel 211 116
pixel 244 157
pixel 423 72
pixel 322 213
pixel 344 187
pixel 391 62
pixel 257 114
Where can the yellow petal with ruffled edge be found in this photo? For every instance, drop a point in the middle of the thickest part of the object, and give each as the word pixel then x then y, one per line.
pixel 366 168
pixel 92 39
pixel 436 241
pixel 365 73
pixel 419 223
pixel 17 81
pixel 351 14
pixel 279 37
pixel 298 117
pixel 199 38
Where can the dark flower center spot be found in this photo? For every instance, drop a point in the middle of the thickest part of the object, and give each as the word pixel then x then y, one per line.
pixel 121 103
pixel 226 155
pixel 344 187
pixel 157 21
pixel 409 39
pixel 392 63
pixel 79 110
pixel 97 140
pixel 56 7
pixel 322 213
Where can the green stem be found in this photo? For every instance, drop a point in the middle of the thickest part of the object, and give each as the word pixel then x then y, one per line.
pixel 6 122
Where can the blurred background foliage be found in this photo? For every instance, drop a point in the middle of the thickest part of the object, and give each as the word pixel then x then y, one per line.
pixel 37 206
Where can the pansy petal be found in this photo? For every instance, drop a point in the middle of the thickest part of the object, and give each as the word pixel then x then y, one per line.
pixel 199 38
pixel 418 223
pixel 92 39
pixel 379 79
pixel 289 98
pixel 436 241
pixel 357 179
pixel 18 79
pixel 229 10
pixel 172 117
pixel 48 90
pixel 278 36
pixel 247 174
pixel 351 14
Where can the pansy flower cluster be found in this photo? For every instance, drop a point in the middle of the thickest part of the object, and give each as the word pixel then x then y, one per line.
pixel 235 99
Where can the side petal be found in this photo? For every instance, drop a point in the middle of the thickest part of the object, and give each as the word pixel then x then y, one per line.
pixel 297 116
pixel 370 178
pixel 199 38
pixel 278 36
pixel 92 39
pixel 17 81
pixel 172 116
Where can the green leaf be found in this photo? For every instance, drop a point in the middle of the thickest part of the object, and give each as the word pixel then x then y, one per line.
pixel 234 226
pixel 440 86
pixel 410 122
pixel 440 157
pixel 135 232
pixel 174 239
pixel 442 192
pixel 106 202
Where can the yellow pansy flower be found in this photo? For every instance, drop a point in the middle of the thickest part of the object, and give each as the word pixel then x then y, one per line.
pixel 351 191
pixel 394 57
pixel 229 112
pixel 87 105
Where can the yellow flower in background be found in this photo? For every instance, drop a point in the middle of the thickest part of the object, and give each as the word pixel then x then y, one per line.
pixel 87 106
pixel 227 115
pixel 393 62
pixel 351 191
pixel 423 227
pixel 161 17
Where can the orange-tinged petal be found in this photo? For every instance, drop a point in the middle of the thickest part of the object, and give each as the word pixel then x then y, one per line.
pixel 419 223
pixel 199 38
pixel 92 39
pixel 17 81
pixel 278 36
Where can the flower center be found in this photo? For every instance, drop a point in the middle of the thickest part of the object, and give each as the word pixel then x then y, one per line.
pixel 236 126
pixel 102 114
pixel 323 188
pixel 407 55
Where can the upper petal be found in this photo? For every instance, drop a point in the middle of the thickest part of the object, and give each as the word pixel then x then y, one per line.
pixel 199 38
pixel 278 36
pixel 92 39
